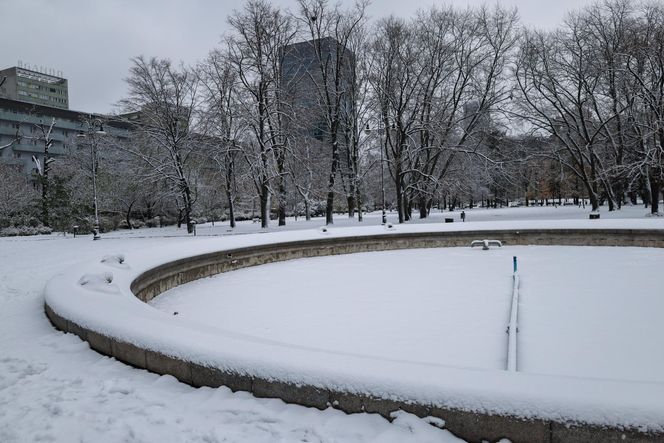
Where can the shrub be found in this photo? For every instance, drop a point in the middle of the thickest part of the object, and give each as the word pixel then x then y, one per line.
pixel 137 224
pixel 9 232
pixel 107 224
pixel 167 220
pixel 24 231
pixel 152 222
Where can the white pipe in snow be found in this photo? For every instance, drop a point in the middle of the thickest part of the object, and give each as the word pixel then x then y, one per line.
pixel 512 328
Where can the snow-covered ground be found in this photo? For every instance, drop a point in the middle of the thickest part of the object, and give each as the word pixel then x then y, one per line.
pixel 425 305
pixel 54 388
pixel 569 212
pixel 592 312
pixel 584 311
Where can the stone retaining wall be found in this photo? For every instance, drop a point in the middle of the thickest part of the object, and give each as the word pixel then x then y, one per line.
pixel 471 426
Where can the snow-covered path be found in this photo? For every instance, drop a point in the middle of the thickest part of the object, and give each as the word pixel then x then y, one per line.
pixel 54 388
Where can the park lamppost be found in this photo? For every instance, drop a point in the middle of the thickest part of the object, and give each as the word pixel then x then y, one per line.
pixel 367 131
pixel 92 132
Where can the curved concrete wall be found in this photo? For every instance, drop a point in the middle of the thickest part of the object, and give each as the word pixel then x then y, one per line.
pixel 471 426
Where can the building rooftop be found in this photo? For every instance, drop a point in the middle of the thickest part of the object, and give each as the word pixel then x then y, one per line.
pixel 32 86
pixel 65 114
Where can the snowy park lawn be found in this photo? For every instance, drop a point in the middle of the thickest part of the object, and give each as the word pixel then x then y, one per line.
pixel 584 311
pixel 54 388
pixel 569 212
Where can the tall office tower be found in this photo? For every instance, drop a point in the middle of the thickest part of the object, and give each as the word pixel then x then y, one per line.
pixel 302 82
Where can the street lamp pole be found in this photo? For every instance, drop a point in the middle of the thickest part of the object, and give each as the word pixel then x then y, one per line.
pixel 382 182
pixel 368 130
pixel 93 154
pixel 93 149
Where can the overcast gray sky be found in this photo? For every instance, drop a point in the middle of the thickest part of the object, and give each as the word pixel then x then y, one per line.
pixel 92 41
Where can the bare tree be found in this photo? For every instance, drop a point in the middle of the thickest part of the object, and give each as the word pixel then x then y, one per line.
pixel 437 81
pixel 557 87
pixel 224 123
pixel 395 82
pixel 608 25
pixel 330 30
pixel 161 107
pixel 41 133
pixel 16 193
pixel 594 86
pixel 255 52
pixel 646 66
pixel 306 170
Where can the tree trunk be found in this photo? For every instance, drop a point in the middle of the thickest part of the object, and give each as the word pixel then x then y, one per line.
pixel 281 209
pixel 422 203
pixel 187 209
pixel 282 212
pixel 231 207
pixel 400 208
pixel 351 197
pixel 45 203
pixel 358 200
pixel 128 215
pixel 329 207
pixel 265 206
pixel 408 207
pixel 647 192
pixel 592 196
pixel 655 188
pixel 350 200
pixel 632 197
pixel 329 204
pixel 619 193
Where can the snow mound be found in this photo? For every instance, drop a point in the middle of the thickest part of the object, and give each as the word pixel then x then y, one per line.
pixel 115 260
pixel 100 282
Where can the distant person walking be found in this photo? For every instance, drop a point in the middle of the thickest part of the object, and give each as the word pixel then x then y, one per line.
pixel 463 216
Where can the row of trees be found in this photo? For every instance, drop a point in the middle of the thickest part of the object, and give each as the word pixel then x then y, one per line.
pixel 414 97
pixel 453 106
pixel 596 86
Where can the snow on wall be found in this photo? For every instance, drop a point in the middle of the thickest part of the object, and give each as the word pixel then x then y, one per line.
pixel 107 306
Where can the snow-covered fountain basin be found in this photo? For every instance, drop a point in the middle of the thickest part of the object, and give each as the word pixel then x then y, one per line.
pixel 474 394
pixel 593 312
